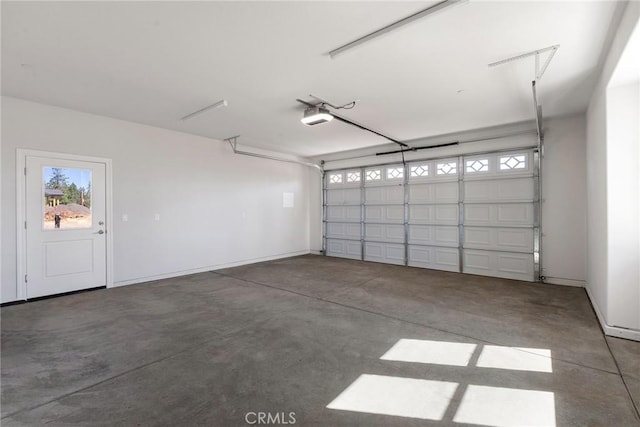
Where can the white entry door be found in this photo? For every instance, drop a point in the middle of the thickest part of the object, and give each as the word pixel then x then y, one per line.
pixel 65 225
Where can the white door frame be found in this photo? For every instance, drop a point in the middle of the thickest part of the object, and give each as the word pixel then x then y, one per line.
pixel 21 214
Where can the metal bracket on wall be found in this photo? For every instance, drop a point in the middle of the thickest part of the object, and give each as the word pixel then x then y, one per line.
pixel 539 71
pixel 233 142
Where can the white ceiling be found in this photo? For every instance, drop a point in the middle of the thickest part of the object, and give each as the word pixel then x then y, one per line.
pixel 155 62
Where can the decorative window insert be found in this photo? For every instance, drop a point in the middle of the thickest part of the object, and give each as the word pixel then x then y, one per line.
pixel 447 168
pixel 516 161
pixel 335 178
pixel 395 173
pixel 419 171
pixel 353 176
pixel 373 175
pixel 477 165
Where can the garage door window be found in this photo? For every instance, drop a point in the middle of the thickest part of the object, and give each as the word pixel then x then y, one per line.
pixel 516 161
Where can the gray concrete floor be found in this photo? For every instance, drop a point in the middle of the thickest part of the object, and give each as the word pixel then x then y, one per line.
pixel 290 336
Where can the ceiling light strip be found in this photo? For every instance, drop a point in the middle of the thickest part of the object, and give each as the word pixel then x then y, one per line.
pixel 221 103
pixel 394 26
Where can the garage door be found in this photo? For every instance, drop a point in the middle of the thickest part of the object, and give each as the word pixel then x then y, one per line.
pixel 343 214
pixel 499 195
pixel 384 214
pixel 472 214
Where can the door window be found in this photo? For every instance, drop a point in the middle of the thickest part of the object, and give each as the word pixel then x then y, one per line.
pixel 66 198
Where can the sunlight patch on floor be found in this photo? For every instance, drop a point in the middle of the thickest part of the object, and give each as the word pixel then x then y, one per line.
pixel 436 352
pixel 516 358
pixel 403 397
pixel 498 406
pixel 429 399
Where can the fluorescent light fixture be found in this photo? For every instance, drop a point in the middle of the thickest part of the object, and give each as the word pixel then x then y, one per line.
pixel 221 103
pixel 316 115
pixel 395 25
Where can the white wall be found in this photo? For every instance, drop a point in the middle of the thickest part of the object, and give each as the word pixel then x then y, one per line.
pixel 600 253
pixel 564 194
pixel 623 196
pixel 216 208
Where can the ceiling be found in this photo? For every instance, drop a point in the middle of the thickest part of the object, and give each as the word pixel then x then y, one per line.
pixel 155 62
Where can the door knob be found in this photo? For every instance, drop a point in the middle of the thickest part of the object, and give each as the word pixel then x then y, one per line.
pixel 100 231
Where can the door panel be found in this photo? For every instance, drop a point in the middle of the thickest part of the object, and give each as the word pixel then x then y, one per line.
pixel 434 257
pixel 389 253
pixel 346 196
pixel 442 192
pixel 384 214
pixel 384 232
pixel 343 213
pixel 344 248
pixel 499 215
pixel 343 230
pixel 512 239
pixel 384 195
pixel 500 190
pixel 65 232
pixel 499 264
pixel 436 235
pixel 433 214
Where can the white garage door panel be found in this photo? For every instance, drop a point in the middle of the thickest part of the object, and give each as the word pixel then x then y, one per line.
pixel 433 214
pixel 384 232
pixel 502 190
pixel 344 249
pixel 385 214
pixel 346 196
pixel 506 239
pixel 384 195
pixel 433 257
pixel 498 264
pixel 443 192
pixel 343 213
pixel 389 253
pixel 338 230
pixel 512 214
pixel 436 235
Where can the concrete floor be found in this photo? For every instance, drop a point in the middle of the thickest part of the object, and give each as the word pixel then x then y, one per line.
pixel 290 336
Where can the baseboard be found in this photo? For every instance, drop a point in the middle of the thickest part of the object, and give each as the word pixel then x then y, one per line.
pixel 612 331
pixel 207 268
pixel 565 282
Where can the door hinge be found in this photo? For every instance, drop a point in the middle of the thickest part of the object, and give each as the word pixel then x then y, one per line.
pixel 25 278
pixel 25 171
pixel 25 225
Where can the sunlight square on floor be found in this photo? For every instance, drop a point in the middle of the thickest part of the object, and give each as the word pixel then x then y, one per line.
pixel 403 397
pixel 515 358
pixel 425 351
pixel 499 406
